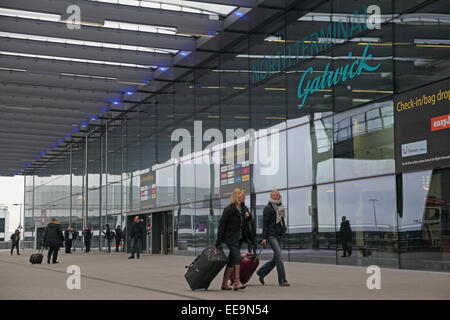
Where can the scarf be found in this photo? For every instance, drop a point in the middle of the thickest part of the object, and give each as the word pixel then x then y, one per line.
pixel 278 206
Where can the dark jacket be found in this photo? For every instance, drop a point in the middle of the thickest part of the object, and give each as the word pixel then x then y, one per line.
pixel 229 226
pixel 345 232
pixel 249 227
pixel 15 237
pixel 66 235
pixel 137 231
pixel 270 226
pixel 119 234
pixel 87 234
pixel 107 234
pixel 53 236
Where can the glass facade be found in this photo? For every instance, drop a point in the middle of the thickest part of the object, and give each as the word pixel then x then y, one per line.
pixel 326 143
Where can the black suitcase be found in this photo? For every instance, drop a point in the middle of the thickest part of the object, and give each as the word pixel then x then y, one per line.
pixel 36 258
pixel 205 268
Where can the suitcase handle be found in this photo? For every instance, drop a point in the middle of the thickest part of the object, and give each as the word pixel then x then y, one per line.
pixel 257 256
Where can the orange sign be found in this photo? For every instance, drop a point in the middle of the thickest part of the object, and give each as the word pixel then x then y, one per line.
pixel 440 123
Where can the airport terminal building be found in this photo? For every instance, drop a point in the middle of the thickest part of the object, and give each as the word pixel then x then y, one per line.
pixel 343 106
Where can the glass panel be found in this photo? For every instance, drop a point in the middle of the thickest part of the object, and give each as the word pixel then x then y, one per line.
pixel 370 207
pixel 269 158
pixel 311 226
pixel 364 148
pixel 184 230
pixel 421 44
pixel 310 157
pixel 425 224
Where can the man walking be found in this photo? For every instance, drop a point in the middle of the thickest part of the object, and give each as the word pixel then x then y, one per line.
pixel 15 238
pixel 136 236
pixel 345 233
pixel 119 235
pixel 52 238
pixel 87 238
pixel 68 236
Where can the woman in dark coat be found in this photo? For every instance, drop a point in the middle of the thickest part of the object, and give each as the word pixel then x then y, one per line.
pixel 230 232
pixel 249 227
pixel 53 237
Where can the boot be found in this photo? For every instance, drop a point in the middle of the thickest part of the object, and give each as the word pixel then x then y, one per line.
pixel 226 277
pixel 237 281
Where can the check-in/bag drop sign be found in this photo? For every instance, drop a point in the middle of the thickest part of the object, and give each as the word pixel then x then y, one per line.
pixel 332 78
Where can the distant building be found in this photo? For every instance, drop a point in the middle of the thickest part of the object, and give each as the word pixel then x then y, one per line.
pixel 4 223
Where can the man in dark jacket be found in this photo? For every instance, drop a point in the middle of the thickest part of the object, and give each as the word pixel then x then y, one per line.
pixel 119 236
pixel 87 238
pixel 107 234
pixel 345 233
pixel 136 235
pixel 68 237
pixel 274 228
pixel 15 238
pixel 52 238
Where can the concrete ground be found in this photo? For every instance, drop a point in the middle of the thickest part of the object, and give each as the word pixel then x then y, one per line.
pixel 113 276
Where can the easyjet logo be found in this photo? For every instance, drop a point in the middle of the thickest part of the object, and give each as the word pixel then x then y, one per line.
pixel 440 123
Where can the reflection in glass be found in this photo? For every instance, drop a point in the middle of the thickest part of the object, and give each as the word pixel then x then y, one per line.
pixel 370 206
pixel 425 222
pixel 364 141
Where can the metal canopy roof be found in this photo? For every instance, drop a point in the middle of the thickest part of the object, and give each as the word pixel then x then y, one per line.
pixel 53 79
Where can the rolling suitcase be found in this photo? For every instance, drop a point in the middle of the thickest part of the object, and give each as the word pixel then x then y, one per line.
pixel 205 268
pixel 249 263
pixel 36 258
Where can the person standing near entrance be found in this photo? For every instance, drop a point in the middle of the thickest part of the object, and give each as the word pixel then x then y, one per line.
pixel 107 234
pixel 345 233
pixel 52 238
pixel 68 236
pixel 87 238
pixel 136 236
pixel 141 221
pixel 119 235
pixel 15 238
pixel 274 229
pixel 75 236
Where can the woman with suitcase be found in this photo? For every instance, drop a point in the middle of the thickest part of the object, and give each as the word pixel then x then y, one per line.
pixel 230 232
pixel 274 229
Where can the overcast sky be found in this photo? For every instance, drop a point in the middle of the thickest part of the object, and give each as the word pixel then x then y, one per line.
pixel 11 191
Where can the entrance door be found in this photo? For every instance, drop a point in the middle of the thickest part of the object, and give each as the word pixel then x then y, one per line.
pixel 161 232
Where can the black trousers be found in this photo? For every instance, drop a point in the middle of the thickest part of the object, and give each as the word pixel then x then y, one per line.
pixel 87 242
pixel 15 244
pixel 68 246
pixel 117 245
pixel 108 243
pixel 53 250
pixel 347 247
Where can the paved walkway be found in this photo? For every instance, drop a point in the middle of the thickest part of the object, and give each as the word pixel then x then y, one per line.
pixel 113 276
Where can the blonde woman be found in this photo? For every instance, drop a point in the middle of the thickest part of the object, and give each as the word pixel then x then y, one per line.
pixel 274 228
pixel 230 232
